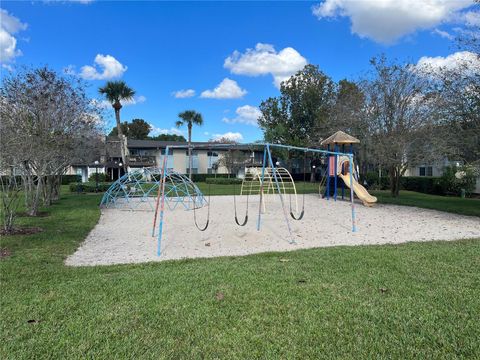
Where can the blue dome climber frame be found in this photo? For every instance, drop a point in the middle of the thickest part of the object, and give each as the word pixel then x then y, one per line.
pixel 138 189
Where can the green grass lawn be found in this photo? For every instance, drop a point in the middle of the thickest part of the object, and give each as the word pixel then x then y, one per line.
pixel 417 300
pixel 443 203
pixel 409 198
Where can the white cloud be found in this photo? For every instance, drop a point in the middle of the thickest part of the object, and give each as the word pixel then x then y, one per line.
pixel 386 21
pixel 461 59
pixel 263 60
pixel 472 18
pixel 104 104
pixel 106 67
pixel 232 136
pixel 246 114
pixel 9 25
pixel 159 131
pixel 181 94
pixel 443 34
pixel 227 89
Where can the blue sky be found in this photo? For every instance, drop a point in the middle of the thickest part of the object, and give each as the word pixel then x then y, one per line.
pixel 159 48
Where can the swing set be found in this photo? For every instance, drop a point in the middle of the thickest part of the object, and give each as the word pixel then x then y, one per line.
pixel 270 180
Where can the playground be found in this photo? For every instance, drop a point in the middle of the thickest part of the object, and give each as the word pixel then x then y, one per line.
pixel 125 236
pixel 156 214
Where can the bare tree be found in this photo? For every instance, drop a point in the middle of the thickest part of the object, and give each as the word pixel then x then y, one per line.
pixel 401 114
pixel 10 184
pixel 47 118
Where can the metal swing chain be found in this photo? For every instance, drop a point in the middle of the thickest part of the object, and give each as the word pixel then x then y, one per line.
pixel 302 213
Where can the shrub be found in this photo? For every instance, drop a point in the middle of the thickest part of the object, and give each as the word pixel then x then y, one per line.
pixel 223 181
pixel 89 187
pixel 423 184
pixel 454 179
pixel 374 183
pixel 102 177
pixel 67 179
pixel 203 177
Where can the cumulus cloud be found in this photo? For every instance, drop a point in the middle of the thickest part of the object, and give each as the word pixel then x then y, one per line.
pixel 246 114
pixel 263 60
pixel 181 94
pixel 227 89
pixel 231 136
pixel 104 104
pixel 9 26
pixel 386 21
pixel 160 131
pixel 465 60
pixel 105 67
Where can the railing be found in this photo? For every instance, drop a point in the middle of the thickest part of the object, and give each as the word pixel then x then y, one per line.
pixel 141 160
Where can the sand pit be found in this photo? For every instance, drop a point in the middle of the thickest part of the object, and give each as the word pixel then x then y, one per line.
pixel 123 236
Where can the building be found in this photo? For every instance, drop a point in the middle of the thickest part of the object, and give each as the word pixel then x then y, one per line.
pixel 206 158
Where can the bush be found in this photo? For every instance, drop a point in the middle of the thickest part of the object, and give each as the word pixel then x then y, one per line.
pixel 223 181
pixel 67 179
pixel 374 183
pixel 423 184
pixel 203 177
pixel 89 187
pixel 454 179
pixel 102 177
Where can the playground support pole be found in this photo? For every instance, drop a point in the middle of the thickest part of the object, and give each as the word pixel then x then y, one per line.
pixel 335 174
pixel 350 162
pixel 328 173
pixel 261 187
pixel 272 165
pixel 343 183
pixel 162 206
pixel 159 192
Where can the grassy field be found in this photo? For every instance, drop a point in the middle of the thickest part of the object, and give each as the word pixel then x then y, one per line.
pixel 408 198
pixel 418 300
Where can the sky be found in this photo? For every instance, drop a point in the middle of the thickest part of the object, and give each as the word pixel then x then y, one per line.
pixel 223 58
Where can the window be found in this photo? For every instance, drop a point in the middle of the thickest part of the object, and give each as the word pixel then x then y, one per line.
pixel 212 153
pixel 426 171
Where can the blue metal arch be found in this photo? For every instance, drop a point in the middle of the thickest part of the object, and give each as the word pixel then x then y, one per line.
pixel 140 187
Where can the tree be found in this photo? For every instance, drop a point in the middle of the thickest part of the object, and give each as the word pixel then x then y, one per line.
pixel 169 137
pixel 116 92
pixel 401 114
pixel 189 118
pixel 123 125
pixel 45 119
pixel 137 129
pixel 348 114
pixel 300 115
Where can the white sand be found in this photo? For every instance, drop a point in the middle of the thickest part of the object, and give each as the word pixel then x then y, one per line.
pixel 125 236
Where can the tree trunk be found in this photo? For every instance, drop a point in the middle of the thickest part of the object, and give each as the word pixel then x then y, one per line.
pixel 36 198
pixel 117 106
pixel 394 181
pixel 190 151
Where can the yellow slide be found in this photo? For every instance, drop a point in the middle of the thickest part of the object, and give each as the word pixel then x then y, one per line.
pixel 360 191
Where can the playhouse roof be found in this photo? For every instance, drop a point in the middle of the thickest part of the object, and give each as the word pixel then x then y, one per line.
pixel 340 138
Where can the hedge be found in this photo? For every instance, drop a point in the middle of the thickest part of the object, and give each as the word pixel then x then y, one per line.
pixel 89 187
pixel 102 177
pixel 203 177
pixel 223 181
pixel 67 179
pixel 423 184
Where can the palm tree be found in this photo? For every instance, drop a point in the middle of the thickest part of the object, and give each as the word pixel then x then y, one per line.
pixel 115 92
pixel 189 118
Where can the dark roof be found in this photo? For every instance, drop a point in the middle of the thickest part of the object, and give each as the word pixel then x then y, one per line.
pixel 156 144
